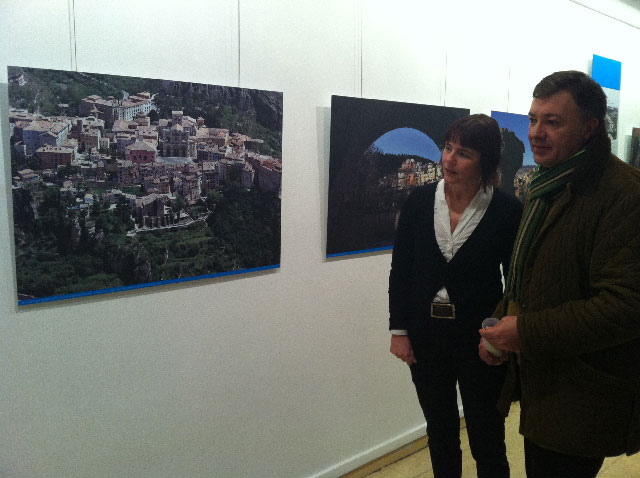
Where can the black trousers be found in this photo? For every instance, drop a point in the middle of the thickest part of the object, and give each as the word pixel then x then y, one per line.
pixel 543 463
pixel 447 357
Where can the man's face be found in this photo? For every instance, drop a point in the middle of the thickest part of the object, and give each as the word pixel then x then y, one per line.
pixel 557 129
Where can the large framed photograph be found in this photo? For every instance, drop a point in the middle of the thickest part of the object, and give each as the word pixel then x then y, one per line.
pixel 124 182
pixel 379 151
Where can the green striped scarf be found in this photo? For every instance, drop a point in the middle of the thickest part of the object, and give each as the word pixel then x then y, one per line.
pixel 545 182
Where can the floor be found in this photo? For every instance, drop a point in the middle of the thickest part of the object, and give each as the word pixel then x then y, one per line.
pixel 418 465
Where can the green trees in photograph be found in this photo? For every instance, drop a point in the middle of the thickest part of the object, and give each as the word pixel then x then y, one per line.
pixel 56 253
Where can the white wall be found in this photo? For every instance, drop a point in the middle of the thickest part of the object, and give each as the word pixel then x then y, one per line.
pixel 279 374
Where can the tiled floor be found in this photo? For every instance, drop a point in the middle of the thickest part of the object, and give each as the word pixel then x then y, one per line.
pixel 418 465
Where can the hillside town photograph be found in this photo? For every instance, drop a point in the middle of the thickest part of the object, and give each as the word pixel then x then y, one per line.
pixel 122 182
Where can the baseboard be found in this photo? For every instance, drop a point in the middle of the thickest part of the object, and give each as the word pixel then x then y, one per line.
pixel 388 459
pixel 377 457
pixel 393 456
pixel 372 454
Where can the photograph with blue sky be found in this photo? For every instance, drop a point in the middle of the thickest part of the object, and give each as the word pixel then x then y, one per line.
pixel 379 152
pixel 516 164
pixel 519 124
pixel 608 73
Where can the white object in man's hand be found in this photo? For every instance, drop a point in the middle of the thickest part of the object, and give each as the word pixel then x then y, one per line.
pixel 504 335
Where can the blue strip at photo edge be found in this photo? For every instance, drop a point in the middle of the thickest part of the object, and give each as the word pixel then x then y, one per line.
pixel 141 286
pixel 338 254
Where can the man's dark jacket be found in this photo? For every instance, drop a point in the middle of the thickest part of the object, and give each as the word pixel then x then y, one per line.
pixel 579 321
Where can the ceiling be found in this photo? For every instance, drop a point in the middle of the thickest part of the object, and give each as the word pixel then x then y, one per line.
pixel 626 11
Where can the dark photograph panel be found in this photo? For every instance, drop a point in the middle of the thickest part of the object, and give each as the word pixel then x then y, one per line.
pixel 379 151
pixel 634 160
pixel 122 182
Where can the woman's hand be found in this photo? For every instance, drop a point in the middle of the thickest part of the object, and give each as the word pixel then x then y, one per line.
pixel 401 348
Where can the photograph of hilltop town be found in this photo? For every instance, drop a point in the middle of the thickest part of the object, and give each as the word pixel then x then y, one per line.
pixel 379 152
pixel 122 182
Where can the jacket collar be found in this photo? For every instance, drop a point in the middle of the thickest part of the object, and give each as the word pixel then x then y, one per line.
pixel 593 162
pixel 589 170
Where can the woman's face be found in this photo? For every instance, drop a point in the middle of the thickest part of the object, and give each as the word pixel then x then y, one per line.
pixel 461 165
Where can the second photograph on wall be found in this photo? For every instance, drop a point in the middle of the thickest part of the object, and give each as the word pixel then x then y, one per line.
pixel 379 151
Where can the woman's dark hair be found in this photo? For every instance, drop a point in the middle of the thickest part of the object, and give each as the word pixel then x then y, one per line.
pixel 482 133
pixel 585 91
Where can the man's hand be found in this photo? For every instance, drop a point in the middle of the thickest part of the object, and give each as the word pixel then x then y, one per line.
pixel 488 358
pixel 504 335
pixel 401 348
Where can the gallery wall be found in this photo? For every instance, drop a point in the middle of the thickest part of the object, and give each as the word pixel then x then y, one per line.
pixel 276 374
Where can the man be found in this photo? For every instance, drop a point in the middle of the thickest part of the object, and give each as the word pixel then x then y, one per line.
pixel 572 300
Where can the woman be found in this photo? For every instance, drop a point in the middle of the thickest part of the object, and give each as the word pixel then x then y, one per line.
pixel 451 240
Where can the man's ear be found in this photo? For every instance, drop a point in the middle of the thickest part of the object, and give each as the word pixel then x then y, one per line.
pixel 590 127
